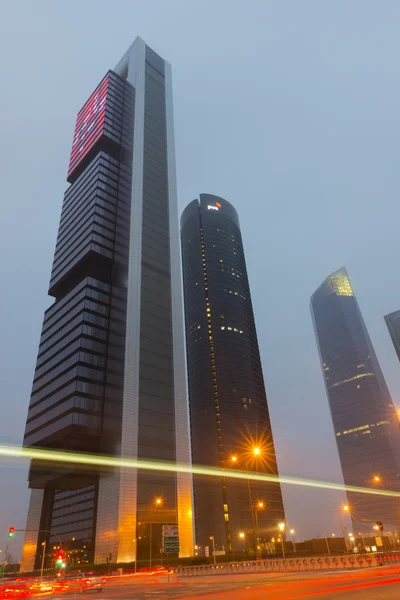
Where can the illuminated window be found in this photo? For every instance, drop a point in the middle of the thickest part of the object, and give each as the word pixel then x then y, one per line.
pixel 225 508
pixel 226 517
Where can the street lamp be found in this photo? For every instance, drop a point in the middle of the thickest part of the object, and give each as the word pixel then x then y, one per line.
pixel 157 502
pixel 259 506
pixel 292 532
pixel 213 541
pixel 256 453
pixel 363 540
pixel 282 530
pixel 346 509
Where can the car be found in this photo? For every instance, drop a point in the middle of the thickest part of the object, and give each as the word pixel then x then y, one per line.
pixel 41 586
pixel 82 582
pixel 14 589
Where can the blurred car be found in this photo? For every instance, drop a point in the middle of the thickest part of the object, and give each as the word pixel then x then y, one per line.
pixel 81 582
pixel 41 586
pixel 14 589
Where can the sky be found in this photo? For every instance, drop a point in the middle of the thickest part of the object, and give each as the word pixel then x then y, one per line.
pixel 287 109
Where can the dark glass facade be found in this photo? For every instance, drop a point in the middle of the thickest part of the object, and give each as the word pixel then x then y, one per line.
pixel 364 418
pixel 228 405
pixel 107 373
pixel 393 324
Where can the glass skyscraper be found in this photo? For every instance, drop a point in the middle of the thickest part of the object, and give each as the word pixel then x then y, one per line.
pixel 230 424
pixel 393 324
pixel 364 418
pixel 110 373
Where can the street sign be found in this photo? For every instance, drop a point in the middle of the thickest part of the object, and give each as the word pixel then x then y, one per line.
pixel 170 529
pixel 170 539
pixel 171 543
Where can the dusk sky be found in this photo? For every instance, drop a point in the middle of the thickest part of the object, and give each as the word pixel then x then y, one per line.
pixel 289 110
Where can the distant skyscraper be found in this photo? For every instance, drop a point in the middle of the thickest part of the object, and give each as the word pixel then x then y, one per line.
pixel 110 373
pixel 364 418
pixel 393 324
pixel 228 404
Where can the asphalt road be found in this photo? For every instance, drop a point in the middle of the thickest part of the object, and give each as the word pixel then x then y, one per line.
pixel 381 583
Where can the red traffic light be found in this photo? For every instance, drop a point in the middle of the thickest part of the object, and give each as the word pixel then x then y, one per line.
pixel 11 532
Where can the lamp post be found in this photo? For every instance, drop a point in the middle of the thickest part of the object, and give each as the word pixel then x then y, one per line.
pixel 292 532
pixel 43 555
pixel 256 452
pixel 327 544
pixel 157 502
pixel 282 530
pixel 363 540
pixel 346 509
pixel 259 506
pixel 213 541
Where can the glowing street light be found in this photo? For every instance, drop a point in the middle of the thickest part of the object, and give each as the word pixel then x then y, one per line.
pixel 282 529
pixel 234 458
pixel 256 451
pixel 259 506
pixel 158 501
pixel 242 535
pixel 377 478
pixel 346 509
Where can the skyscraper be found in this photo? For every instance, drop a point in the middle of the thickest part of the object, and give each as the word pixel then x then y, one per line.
pixel 393 324
pixel 230 425
pixel 110 373
pixel 364 418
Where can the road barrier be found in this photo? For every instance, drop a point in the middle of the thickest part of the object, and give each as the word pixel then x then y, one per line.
pixel 315 563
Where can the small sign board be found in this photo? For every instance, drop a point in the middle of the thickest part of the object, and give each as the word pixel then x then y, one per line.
pixel 169 530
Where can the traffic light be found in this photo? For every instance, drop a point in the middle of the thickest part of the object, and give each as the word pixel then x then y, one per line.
pixel 11 532
pixel 60 557
pixel 380 526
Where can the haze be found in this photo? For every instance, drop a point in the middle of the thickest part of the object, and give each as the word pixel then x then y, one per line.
pixel 287 109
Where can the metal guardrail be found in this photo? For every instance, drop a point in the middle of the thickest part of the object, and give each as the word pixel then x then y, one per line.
pixel 347 561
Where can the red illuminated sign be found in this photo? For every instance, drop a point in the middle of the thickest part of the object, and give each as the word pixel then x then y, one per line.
pixel 89 125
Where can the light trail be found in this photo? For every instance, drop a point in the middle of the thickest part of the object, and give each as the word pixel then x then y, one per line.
pixel 10 451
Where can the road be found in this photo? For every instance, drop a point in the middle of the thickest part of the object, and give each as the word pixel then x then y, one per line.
pixel 381 583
